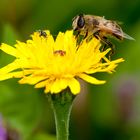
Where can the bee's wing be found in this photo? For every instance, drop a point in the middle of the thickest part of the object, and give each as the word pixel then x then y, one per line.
pixel 127 36
pixel 122 34
pixel 116 31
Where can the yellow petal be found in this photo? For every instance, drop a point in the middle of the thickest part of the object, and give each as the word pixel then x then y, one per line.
pixel 48 86
pixel 6 76
pixel 91 79
pixel 10 67
pixel 55 88
pixel 74 85
pixel 32 79
pixel 41 84
pixel 58 85
pixel 18 74
pixel 118 60
pixel 8 49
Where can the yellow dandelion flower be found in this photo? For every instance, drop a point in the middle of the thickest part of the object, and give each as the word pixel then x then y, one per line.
pixel 56 63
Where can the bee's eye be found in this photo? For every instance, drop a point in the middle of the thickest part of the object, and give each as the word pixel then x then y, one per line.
pixel 81 22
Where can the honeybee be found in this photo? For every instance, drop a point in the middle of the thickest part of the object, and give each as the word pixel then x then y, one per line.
pixel 99 27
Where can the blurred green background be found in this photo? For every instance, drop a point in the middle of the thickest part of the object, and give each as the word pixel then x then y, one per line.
pixel 105 112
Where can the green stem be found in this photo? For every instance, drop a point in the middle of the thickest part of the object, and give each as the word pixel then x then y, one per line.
pixel 61 104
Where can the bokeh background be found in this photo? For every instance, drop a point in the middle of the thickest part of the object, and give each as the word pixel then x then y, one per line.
pixel 105 112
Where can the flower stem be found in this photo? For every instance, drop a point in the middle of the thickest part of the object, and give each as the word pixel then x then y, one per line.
pixel 61 104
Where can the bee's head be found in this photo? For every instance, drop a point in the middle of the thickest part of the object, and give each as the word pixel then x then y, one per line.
pixel 78 22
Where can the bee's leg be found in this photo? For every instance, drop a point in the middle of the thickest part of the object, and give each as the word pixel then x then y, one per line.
pixel 88 38
pixel 86 35
pixel 108 43
pixel 77 35
pixel 112 52
pixel 104 47
pixel 96 34
pixel 78 39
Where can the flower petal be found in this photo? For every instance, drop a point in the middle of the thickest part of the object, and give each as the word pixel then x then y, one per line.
pixel 10 67
pixel 91 79
pixel 48 86
pixel 74 85
pixel 18 74
pixel 41 84
pixel 8 49
pixel 55 88
pixel 32 79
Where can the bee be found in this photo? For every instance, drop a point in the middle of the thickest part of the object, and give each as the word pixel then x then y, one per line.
pixel 99 27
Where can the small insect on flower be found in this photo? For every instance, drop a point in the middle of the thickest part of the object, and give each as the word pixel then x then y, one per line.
pixel 99 27
pixel 60 52
pixel 42 33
